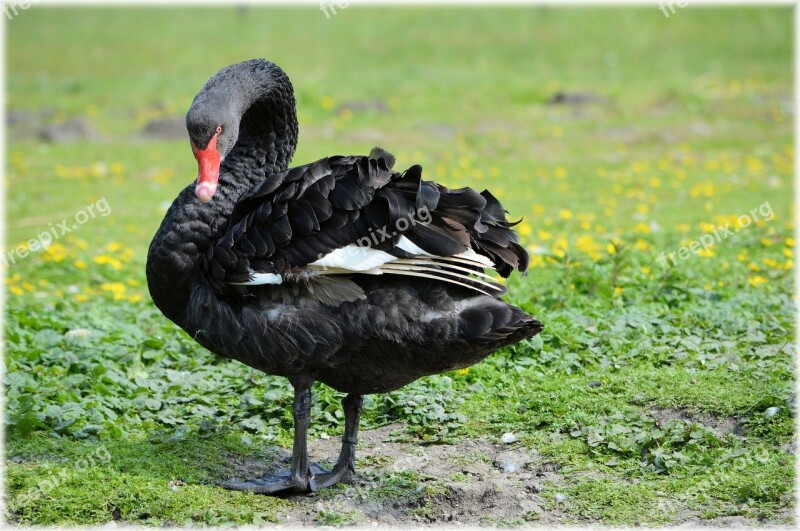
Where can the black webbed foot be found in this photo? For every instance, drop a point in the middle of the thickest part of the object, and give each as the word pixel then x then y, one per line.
pixel 281 483
pixel 304 476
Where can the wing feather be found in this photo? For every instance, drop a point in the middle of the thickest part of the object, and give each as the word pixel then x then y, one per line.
pixel 316 228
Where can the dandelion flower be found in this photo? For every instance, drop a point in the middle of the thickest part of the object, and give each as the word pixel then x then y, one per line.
pixel 326 102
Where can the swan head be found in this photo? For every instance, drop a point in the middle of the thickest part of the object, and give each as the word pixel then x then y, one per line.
pixel 212 136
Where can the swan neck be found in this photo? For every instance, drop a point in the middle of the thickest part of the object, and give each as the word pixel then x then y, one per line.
pixel 265 104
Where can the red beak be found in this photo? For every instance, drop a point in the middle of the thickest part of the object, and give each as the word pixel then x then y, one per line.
pixel 207 170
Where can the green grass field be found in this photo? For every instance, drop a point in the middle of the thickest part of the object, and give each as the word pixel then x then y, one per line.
pixel 655 395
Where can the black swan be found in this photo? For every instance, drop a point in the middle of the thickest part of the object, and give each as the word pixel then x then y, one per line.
pixel 341 271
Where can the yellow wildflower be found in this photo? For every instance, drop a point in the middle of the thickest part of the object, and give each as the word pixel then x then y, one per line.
pixel 55 253
pixel 707 227
pixel 113 287
pixel 565 213
pixel 105 259
pixel 560 247
pixel 756 280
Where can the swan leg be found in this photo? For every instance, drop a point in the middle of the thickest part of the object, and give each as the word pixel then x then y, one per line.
pixel 302 476
pixel 346 464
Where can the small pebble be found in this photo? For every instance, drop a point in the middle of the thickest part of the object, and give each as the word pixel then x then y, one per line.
pixel 595 383
pixel 508 438
pixel 77 334
pixel 560 498
pixel 772 411
pixel 510 467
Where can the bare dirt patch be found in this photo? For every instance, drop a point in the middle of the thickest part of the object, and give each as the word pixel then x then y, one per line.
pixel 717 424
pixel 468 483
pixel 472 482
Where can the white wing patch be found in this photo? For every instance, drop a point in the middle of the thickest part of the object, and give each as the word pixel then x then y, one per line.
pixel 464 269
pixel 353 258
pixel 259 279
pixel 468 256
pixel 409 246
pixel 459 269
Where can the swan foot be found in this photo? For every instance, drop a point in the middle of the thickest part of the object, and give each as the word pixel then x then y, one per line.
pixel 282 482
pixel 304 476
pixel 341 473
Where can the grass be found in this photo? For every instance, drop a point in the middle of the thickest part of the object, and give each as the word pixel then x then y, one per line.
pixel 662 394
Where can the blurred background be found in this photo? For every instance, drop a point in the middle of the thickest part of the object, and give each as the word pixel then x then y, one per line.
pixel 534 101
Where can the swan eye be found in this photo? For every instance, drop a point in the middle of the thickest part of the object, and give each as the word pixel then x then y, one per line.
pixel 219 129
